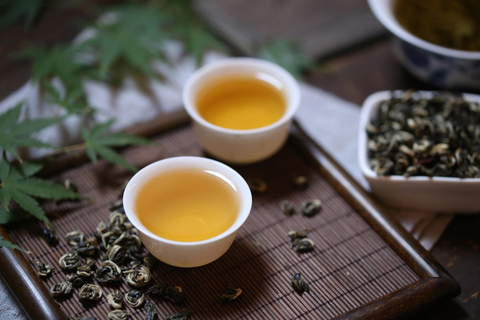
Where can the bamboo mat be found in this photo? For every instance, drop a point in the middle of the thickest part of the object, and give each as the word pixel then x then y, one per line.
pixel 349 267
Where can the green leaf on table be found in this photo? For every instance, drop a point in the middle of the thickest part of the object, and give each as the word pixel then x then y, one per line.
pixel 185 24
pixel 28 169
pixel 23 190
pixel 15 134
pixel 99 144
pixel 197 41
pixel 61 60
pixel 13 11
pixel 286 54
pixel 133 37
pixel 74 99
pixel 8 244
pixel 13 215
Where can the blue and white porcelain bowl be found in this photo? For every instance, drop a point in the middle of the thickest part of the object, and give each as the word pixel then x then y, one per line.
pixel 443 67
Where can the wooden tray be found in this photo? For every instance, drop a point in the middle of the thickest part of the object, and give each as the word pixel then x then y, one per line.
pixel 364 265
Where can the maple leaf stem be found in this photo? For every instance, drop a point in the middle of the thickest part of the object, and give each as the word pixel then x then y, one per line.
pixel 69 149
pixel 75 147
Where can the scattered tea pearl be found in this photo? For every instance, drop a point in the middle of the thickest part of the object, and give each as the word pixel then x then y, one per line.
pixel 257 185
pixel 310 207
pixel 300 182
pixel 287 207
pixel 299 284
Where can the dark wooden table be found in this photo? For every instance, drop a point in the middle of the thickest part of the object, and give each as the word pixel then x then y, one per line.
pixel 356 59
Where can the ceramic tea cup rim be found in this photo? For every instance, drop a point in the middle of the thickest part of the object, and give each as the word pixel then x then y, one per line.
pixel 181 162
pixel 287 80
pixel 382 10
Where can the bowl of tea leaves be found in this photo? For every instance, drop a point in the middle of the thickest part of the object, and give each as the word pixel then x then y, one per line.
pixel 438 41
pixel 421 150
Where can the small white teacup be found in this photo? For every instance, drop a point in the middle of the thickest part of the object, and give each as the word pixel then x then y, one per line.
pixel 234 145
pixel 181 253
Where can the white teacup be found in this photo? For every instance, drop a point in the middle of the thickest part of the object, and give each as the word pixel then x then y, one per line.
pixel 195 253
pixel 242 146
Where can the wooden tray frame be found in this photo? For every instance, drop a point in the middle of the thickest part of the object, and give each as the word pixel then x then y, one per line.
pixel 435 283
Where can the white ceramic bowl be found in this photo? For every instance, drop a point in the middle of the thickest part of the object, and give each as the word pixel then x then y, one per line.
pixel 187 254
pixel 435 194
pixel 448 68
pixel 241 146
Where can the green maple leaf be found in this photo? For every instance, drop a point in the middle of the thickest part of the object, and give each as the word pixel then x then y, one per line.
pixel 13 215
pixel 185 25
pixel 74 100
pixel 198 40
pixel 99 143
pixel 286 54
pixel 8 244
pixel 61 60
pixel 15 10
pixel 15 134
pixel 133 38
pixel 19 185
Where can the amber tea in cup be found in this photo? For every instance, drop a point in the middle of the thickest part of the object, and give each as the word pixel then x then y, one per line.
pixel 242 102
pixel 187 204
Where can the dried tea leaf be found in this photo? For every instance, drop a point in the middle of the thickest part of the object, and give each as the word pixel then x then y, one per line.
pixel 60 290
pixel 108 272
pixel 302 245
pixel 311 207
pixel 230 293
pixel 257 185
pixel 301 182
pixel 115 299
pixel 69 261
pixel 299 284
pixel 44 270
pixel 150 311
pixel 119 314
pixel 287 207
pixel 174 294
pixel 140 276
pixel 183 315
pixel 90 293
pixel 135 298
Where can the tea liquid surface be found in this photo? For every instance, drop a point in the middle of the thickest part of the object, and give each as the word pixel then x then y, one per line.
pixel 187 205
pixel 447 23
pixel 241 103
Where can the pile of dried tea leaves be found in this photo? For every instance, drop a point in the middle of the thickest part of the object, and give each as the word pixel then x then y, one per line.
pixel 416 136
pixel 124 259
